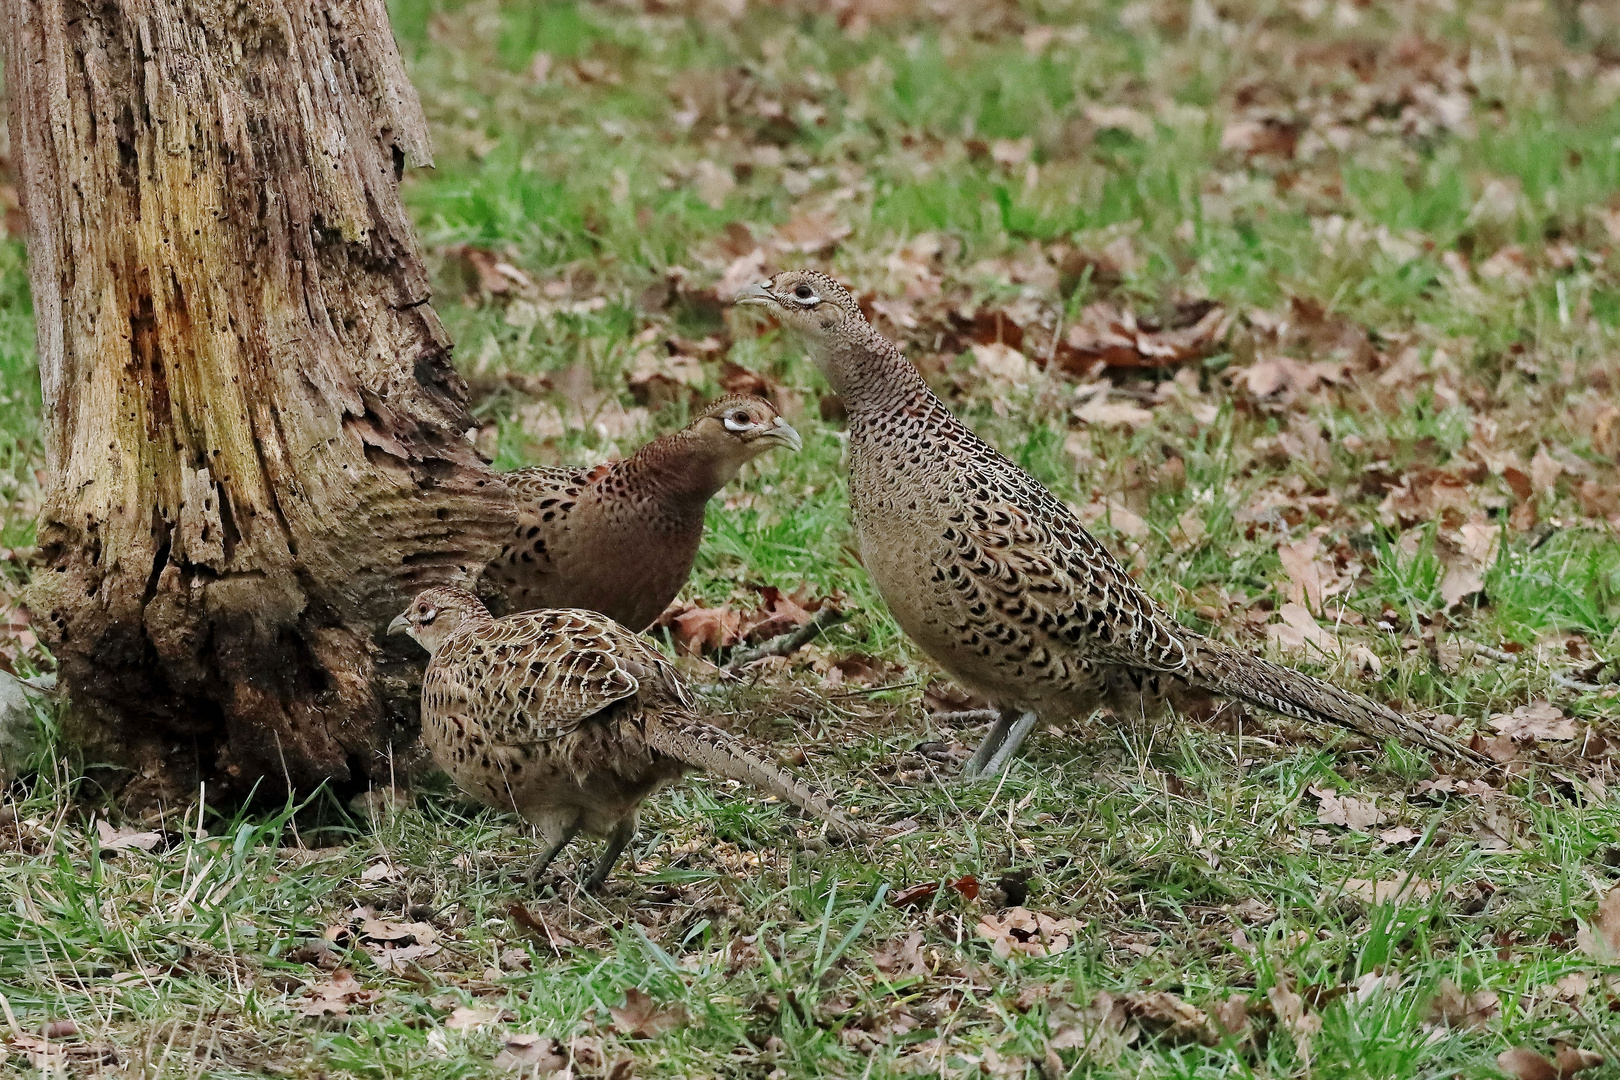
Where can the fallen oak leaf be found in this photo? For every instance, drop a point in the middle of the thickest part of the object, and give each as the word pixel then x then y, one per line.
pixel 465 1018
pixel 1600 937
pixel 1298 631
pixel 1100 1032
pixel 914 895
pixel 1357 814
pixel 1535 721
pixel 642 1017
pixel 1523 1063
pixel 125 838
pixel 333 997
pixel 1107 336
pixel 1389 890
pixel 699 628
pixel 1452 1008
pixel 811 232
pixel 533 1054
pixel 1019 931
pixel 903 958
pixel 1171 1018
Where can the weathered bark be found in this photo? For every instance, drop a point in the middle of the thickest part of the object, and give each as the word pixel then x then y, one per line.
pixel 253 429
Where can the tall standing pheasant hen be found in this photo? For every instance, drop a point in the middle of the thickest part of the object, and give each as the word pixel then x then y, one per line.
pixel 569 719
pixel 620 537
pixel 996 579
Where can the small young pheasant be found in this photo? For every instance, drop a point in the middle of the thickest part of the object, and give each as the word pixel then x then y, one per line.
pixel 619 538
pixel 996 579
pixel 570 720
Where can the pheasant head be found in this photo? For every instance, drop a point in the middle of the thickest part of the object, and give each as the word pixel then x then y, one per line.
pixel 437 613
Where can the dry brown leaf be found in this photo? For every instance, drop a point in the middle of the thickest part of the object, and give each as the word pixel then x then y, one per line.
pixel 741 272
pixel 1454 1009
pixel 125 838
pixel 1101 412
pixel 333 997
pixel 1400 834
pixel 1105 335
pixel 1308 572
pixel 381 931
pixel 902 957
pixel 736 379
pixel 1231 1017
pixel 495 276
pixel 1254 138
pixel 1539 720
pixel 1298 631
pixel 1166 1015
pixel 1357 814
pixel 811 232
pixel 1100 1032
pixel 1019 931
pixel 1124 521
pixel 1285 378
pixel 1292 1013
pixel 533 1054
pixel 643 1018
pixel 1389 890
pixel 1600 937
pixel 1523 1063
pixel 465 1018
pixel 703 629
pixel 1451 785
pixel 656 378
pixel 1121 118
pixel 713 183
pixel 1003 364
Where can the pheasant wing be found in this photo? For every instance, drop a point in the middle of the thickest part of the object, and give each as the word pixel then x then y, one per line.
pixel 539 675
pixel 1040 567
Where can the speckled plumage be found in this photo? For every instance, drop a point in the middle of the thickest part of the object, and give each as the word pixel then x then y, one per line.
pixel 569 719
pixel 995 578
pixel 619 538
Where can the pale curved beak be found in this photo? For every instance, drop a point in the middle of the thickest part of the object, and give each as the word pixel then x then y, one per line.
pixel 754 294
pixel 400 625
pixel 784 433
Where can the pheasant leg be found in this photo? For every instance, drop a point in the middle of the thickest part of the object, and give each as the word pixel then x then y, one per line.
pixel 546 858
pixel 999 745
pixel 616 844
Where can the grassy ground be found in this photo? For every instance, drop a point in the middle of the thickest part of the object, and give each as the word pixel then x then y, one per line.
pixel 1390 455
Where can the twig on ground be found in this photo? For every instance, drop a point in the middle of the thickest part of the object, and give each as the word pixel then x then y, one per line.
pixel 783 644
pixel 1568 682
pixel 966 717
pixel 1575 684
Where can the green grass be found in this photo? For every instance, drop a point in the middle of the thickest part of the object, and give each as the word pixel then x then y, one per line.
pixel 1191 853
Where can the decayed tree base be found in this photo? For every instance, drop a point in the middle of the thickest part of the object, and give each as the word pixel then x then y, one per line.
pixel 253 428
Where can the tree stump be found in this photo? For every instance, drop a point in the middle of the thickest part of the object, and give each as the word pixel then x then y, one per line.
pixel 253 429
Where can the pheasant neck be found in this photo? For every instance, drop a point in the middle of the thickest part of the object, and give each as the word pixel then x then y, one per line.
pixel 871 375
pixel 675 471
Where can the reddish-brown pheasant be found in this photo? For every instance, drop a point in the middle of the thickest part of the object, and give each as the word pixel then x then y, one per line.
pixel 570 720
pixel 619 538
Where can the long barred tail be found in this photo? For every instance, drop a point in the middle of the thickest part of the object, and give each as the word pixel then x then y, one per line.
pixel 1257 681
pixel 712 750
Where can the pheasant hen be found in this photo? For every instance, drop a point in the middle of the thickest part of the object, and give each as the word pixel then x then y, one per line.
pixel 570 720
pixel 620 538
pixel 996 579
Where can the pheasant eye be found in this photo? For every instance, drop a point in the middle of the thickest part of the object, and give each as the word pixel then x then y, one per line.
pixel 429 614
pixel 804 292
pixel 738 421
